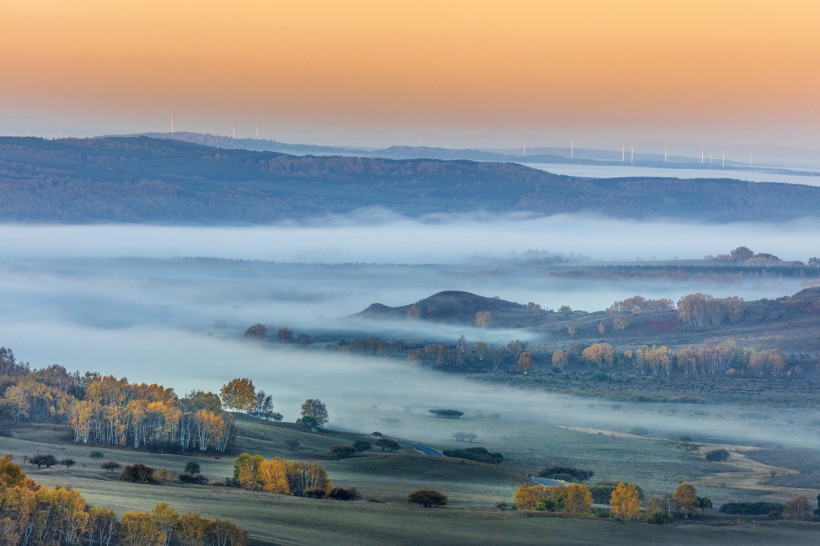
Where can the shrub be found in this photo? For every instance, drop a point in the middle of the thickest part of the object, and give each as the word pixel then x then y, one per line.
pixel 559 473
pixel 479 454
pixel 96 454
pixel 110 466
pixel 315 493
pixel 717 455
pixel 447 413
pixel 197 479
pixel 602 491
pixel 138 473
pixel 428 498
pixel 659 517
pixel 387 444
pixel 43 460
pixel 192 467
pixel 68 463
pixel 751 508
pixel 342 494
pixel 343 451
pixel 361 445
pixel 292 445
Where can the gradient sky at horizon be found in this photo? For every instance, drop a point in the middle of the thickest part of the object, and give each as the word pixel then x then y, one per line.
pixel 734 74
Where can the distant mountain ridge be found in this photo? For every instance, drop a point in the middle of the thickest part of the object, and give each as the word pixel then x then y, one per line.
pixel 167 181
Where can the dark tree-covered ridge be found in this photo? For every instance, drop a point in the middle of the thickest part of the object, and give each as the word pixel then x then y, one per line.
pixel 150 180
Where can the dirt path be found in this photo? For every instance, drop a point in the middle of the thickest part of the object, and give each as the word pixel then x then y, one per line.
pixel 750 475
pixel 612 433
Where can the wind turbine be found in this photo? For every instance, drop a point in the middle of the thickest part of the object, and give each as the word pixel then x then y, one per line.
pixel 631 154
pixel 623 152
pixel 665 152
pixel 257 130
pixel 172 124
pixel 524 144
pixel 723 158
pixel 571 149
pixel 233 132
pixel 701 155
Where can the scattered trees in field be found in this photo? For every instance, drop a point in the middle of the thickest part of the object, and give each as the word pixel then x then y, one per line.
pixel 36 514
pixel 428 498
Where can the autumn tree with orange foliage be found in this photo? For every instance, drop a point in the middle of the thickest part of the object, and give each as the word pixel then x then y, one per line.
pixel 599 354
pixel 686 499
pixel 626 502
pixel 239 394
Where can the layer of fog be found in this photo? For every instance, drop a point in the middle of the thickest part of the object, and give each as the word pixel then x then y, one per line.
pixel 614 171
pixel 378 236
pixel 367 394
pixel 125 300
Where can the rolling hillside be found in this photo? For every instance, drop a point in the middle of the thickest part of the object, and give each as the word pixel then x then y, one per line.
pixel 140 179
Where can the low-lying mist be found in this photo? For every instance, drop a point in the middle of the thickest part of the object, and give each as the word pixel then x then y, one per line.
pixel 379 236
pixel 367 394
pixel 169 305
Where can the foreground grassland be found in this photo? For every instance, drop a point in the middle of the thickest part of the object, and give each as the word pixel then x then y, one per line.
pixel 474 489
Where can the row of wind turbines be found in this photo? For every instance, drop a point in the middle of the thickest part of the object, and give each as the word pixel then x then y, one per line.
pixel 665 154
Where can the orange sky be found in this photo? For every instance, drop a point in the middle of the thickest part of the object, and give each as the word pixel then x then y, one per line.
pixel 386 72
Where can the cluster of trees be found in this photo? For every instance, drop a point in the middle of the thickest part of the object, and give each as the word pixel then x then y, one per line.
pixel 724 357
pixel 638 304
pixel 32 514
pixel 116 412
pixel 575 498
pixel 479 454
pixel 281 477
pixel 110 411
pixel 240 394
pixel 703 310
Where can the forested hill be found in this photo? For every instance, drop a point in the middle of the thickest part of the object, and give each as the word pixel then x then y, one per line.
pixel 140 179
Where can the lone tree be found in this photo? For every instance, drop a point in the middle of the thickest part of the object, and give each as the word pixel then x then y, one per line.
pixel 626 502
pixel 686 499
pixel 428 498
pixel 239 394
pixel 316 410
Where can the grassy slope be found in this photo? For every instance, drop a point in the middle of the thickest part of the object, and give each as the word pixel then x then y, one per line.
pixel 385 479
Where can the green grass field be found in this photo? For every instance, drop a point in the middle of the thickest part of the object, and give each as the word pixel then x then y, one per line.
pixel 385 479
